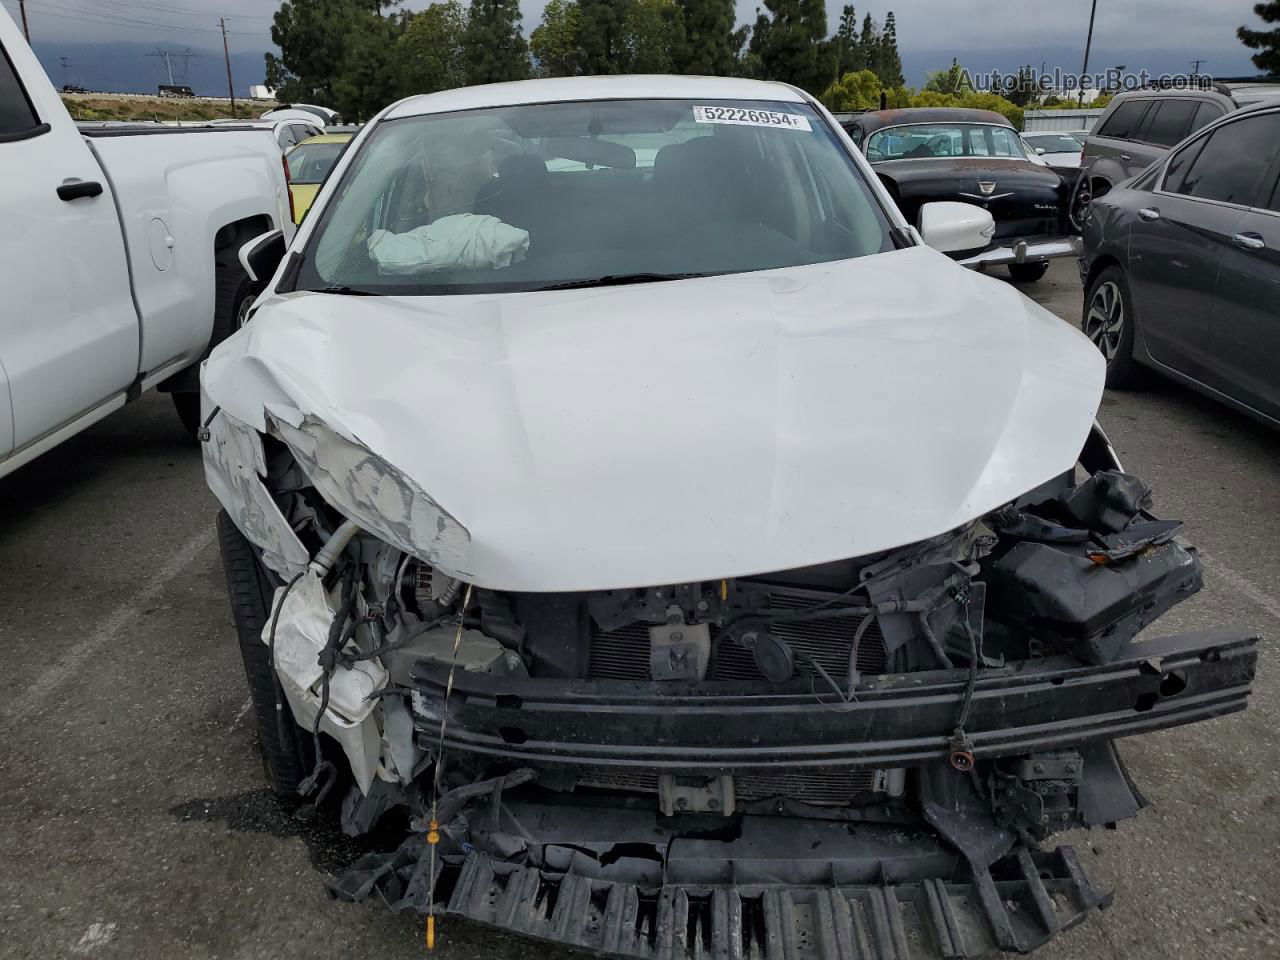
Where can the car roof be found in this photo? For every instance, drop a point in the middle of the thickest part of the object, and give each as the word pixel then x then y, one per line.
pixel 1162 93
pixel 569 89
pixel 878 119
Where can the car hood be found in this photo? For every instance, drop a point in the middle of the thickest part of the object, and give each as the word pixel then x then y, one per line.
pixel 681 431
pixel 963 173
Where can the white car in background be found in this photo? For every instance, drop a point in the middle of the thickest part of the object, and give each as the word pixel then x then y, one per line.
pixel 118 255
pixel 618 485
pixel 1059 149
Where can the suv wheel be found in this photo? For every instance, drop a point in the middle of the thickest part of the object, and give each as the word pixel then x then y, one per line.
pixel 1109 321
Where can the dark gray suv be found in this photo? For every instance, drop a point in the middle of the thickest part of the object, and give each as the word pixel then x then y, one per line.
pixel 1181 266
pixel 1138 128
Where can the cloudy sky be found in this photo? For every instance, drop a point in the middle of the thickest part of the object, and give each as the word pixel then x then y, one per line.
pixel 1159 34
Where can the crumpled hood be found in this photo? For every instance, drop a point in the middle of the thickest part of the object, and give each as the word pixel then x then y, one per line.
pixel 690 430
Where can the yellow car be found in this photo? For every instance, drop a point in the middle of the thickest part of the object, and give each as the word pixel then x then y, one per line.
pixel 309 163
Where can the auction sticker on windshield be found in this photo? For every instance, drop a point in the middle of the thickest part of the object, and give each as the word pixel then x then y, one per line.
pixel 751 118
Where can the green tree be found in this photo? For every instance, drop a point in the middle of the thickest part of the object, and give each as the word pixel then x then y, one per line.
pixel 429 53
pixel 953 80
pixel 601 35
pixel 367 76
pixel 853 91
pixel 313 36
pixel 848 52
pixel 711 43
pixel 869 45
pixel 496 50
pixel 889 65
pixel 1026 91
pixel 794 48
pixel 1266 42
pixel 652 37
pixel 556 43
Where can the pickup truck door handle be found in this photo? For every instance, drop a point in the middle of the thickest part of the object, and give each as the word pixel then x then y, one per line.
pixel 1249 241
pixel 1149 214
pixel 79 188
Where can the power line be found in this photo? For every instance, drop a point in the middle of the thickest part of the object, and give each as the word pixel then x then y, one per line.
pixel 64 11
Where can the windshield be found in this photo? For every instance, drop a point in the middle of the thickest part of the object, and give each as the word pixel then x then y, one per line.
pixel 1053 142
pixel 310 162
pixel 925 141
pixel 565 194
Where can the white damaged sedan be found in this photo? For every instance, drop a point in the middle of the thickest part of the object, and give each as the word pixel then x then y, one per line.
pixel 616 484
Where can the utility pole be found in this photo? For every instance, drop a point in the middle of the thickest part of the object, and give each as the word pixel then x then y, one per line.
pixel 66 69
pixel 1087 45
pixel 1195 67
pixel 26 30
pixel 226 55
pixel 168 65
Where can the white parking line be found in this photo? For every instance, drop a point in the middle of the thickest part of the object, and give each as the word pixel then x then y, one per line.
pixel 1216 568
pixel 125 616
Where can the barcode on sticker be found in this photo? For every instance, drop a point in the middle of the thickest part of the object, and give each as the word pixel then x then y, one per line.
pixel 750 117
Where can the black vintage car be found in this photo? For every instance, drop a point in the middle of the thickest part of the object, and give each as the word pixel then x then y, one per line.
pixel 972 156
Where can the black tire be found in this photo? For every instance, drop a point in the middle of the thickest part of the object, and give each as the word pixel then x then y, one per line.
pixel 233 295
pixel 1109 322
pixel 1027 272
pixel 251 587
pixel 188 407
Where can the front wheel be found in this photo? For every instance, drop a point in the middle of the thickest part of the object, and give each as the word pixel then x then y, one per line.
pixel 1108 322
pixel 1027 272
pixel 251 588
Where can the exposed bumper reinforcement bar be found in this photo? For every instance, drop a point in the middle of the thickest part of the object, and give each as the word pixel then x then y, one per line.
pixel 900 720
pixel 1024 251
pixel 1020 903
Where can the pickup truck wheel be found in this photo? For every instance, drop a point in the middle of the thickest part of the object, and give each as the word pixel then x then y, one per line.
pixel 1027 272
pixel 1108 322
pixel 251 588
pixel 233 298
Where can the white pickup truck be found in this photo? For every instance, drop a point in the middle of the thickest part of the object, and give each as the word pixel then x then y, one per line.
pixel 118 255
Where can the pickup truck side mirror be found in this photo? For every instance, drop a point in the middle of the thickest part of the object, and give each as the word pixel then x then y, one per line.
pixel 1040 151
pixel 261 255
pixel 951 227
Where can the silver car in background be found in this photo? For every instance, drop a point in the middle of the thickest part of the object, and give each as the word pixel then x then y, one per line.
pixel 1139 128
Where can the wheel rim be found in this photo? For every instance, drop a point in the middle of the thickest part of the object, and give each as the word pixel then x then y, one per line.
pixel 242 311
pixel 1104 322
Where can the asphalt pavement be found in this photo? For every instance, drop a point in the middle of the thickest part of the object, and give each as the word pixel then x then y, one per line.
pixel 134 822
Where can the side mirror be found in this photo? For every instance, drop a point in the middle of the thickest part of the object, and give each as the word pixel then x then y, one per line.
pixel 1041 151
pixel 951 227
pixel 261 255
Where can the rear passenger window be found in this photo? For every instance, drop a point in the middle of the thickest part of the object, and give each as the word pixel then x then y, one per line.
pixel 17 116
pixel 1181 163
pixel 1206 113
pixel 1230 165
pixel 1170 122
pixel 1123 124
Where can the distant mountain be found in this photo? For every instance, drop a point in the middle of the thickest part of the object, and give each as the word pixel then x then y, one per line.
pixel 124 67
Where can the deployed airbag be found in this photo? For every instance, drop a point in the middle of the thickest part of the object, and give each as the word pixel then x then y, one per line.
pixel 464 241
